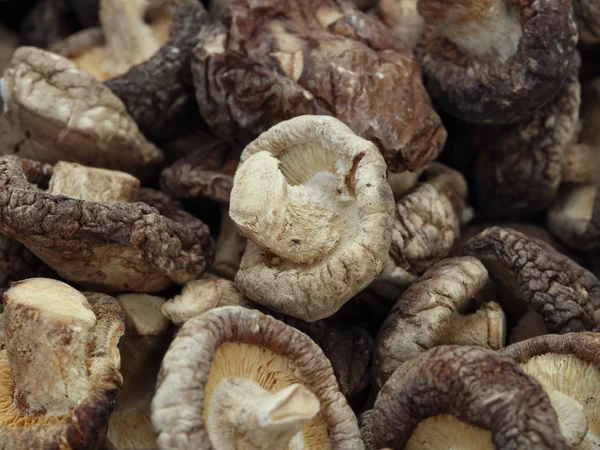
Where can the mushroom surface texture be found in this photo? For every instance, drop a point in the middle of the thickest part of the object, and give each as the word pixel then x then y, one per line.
pixel 569 366
pixel 115 246
pixel 272 60
pixel 402 17
pixel 142 53
pixel 229 247
pixel 428 315
pixel 325 231
pixel 566 295
pixel 53 111
pixel 59 374
pixel 495 61
pixel 236 378
pixel 463 397
pixel 587 13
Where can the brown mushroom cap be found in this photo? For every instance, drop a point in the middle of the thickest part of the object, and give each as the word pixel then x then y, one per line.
pixel 428 315
pixel 520 167
pixel 509 83
pixel 565 294
pixel 231 342
pixel 154 83
pixel 587 13
pixel 113 245
pixel 274 60
pixel 84 425
pixel 325 232
pixel 471 384
pixel 569 364
pixel 54 111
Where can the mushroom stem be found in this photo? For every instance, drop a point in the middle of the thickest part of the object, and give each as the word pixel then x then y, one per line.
pixel 571 417
pixel 245 416
pixel 484 328
pixel 48 327
pixel 486 29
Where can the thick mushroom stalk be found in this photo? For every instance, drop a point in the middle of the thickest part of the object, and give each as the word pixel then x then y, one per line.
pixel 48 332
pixel 325 230
pixel 243 415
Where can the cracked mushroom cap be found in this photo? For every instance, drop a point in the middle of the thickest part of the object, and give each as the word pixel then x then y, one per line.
pixel 520 167
pixel 236 377
pixel 116 246
pixel 587 13
pixel 429 314
pixel 144 58
pixel 205 173
pixel 495 61
pixel 53 111
pixel 59 374
pixel 274 60
pixel 402 17
pixel 467 398
pixel 569 364
pixel 566 295
pixel 325 232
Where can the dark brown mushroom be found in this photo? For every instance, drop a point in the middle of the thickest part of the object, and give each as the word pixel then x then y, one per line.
pixel 496 61
pixel 274 60
pixel 119 246
pixel 464 397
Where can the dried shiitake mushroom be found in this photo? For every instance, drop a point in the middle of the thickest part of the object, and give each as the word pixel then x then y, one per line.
pixel 52 111
pixel 236 378
pixel 59 374
pixel 566 295
pixel 568 368
pixel 429 314
pixel 116 246
pixel 325 230
pixel 272 60
pixel 402 17
pixel 466 398
pixel 495 61
pixel 142 53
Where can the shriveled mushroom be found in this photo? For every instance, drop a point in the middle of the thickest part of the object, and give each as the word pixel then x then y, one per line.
pixel 467 398
pixel 496 61
pixel 236 378
pixel 129 427
pixel 325 232
pixel 59 374
pixel 566 295
pixel 9 42
pixel 229 247
pixel 118 246
pixel 52 111
pixel 273 60
pixel 429 314
pixel 568 367
pixel 426 227
pixel 587 13
pixel 402 17
pixel 142 53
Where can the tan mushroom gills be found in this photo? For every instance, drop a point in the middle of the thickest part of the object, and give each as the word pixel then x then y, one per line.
pixel 486 29
pixel 577 201
pixel 312 208
pixel 446 432
pixel 93 184
pixel 575 378
pixel 240 375
pixel 486 328
pixel 49 327
pixel 580 164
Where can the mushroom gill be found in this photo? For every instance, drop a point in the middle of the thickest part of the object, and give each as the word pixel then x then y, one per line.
pixel 446 432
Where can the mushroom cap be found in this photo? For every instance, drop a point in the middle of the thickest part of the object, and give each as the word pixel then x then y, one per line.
pixel 315 57
pixel 476 386
pixel 90 124
pixel 325 233
pixel 519 167
pixel 497 92
pixel 116 246
pixel 568 363
pixel 565 294
pixel 194 365
pixel 420 318
pixel 85 425
pixel 205 173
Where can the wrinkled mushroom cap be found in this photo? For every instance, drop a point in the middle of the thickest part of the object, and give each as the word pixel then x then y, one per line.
pixel 232 342
pixel 54 111
pixel 325 232
pixel 117 246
